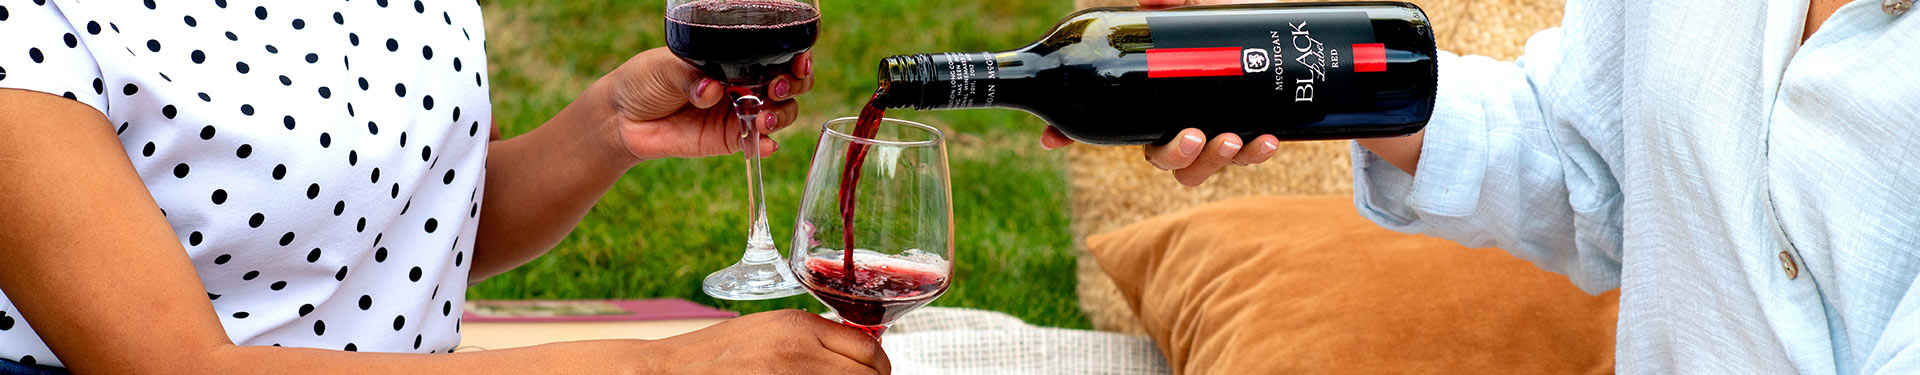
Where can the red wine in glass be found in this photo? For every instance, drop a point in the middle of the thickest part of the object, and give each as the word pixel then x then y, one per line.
pixel 887 288
pixel 741 43
pixel 907 260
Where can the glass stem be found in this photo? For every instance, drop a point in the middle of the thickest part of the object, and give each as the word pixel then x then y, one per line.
pixel 874 331
pixel 760 246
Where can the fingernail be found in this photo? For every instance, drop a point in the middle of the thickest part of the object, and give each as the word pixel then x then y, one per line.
pixel 1268 147
pixel 1192 145
pixel 780 88
pixel 1232 148
pixel 806 67
pixel 773 121
pixel 1045 146
pixel 701 88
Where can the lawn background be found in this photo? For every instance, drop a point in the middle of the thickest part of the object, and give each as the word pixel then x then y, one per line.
pixel 668 223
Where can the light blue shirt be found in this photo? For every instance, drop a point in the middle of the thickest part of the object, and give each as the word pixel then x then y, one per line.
pixel 1756 200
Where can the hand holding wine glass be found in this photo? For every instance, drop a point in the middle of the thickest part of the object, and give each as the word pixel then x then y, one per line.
pixel 784 342
pixel 663 107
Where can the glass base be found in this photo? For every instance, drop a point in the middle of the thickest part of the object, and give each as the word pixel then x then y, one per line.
pixel 753 280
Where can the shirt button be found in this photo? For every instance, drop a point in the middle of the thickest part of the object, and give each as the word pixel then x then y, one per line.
pixel 1895 7
pixel 1786 264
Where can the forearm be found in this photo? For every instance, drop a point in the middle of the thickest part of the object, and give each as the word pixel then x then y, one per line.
pixel 607 356
pixel 540 184
pixel 1402 152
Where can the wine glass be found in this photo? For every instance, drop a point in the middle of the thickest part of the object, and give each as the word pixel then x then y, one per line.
pixel 745 44
pixel 886 196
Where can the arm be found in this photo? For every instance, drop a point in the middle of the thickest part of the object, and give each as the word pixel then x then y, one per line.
pixel 1517 156
pixel 92 263
pixel 1898 349
pixel 1402 152
pixel 540 184
pixel 95 269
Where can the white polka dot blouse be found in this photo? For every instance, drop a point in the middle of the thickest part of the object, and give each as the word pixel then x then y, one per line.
pixel 321 161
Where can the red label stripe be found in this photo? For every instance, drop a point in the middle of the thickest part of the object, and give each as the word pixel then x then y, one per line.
pixel 1370 57
pixel 1193 62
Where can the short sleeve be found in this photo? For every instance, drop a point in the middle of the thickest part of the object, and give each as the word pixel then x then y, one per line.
pixel 43 51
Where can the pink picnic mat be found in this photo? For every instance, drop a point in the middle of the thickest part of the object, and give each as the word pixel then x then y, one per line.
pixel 531 311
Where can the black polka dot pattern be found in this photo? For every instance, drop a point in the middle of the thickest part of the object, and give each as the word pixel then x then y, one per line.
pixel 280 179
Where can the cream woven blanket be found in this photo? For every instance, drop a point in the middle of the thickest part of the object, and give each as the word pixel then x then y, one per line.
pixel 938 340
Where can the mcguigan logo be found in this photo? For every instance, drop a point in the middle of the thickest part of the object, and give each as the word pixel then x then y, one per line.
pixel 1255 60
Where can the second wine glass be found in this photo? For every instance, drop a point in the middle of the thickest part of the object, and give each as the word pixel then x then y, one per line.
pixel 885 196
pixel 746 44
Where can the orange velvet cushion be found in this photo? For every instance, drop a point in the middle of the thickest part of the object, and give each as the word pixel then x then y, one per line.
pixel 1269 285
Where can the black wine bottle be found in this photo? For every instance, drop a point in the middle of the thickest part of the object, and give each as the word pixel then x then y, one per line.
pixel 1117 76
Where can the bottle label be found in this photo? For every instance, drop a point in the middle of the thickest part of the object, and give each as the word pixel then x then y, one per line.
pixel 968 80
pixel 1299 56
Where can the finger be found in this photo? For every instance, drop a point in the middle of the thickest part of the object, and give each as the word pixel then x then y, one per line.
pixel 803 65
pixel 730 132
pixel 781 88
pixel 882 364
pixel 738 144
pixel 835 364
pixel 1258 151
pixel 1179 153
pixel 1161 3
pixel 1052 138
pixel 787 87
pixel 851 343
pixel 768 146
pixel 655 84
pixel 801 85
pixel 706 93
pixel 1218 153
pixel 778 116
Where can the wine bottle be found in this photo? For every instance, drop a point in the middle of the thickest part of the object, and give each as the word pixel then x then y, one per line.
pixel 1117 76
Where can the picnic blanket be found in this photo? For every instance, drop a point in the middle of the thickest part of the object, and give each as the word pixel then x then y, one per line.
pixel 941 340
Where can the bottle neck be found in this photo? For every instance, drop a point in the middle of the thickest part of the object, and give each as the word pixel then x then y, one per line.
pixel 942 81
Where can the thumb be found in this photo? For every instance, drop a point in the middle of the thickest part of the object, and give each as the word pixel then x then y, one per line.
pixel 656 84
pixel 1179 153
pixel 705 92
pixel 1052 138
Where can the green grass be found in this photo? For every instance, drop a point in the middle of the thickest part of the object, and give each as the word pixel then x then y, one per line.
pixel 668 223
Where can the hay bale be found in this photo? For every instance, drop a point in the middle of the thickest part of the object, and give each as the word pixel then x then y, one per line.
pixel 1113 186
